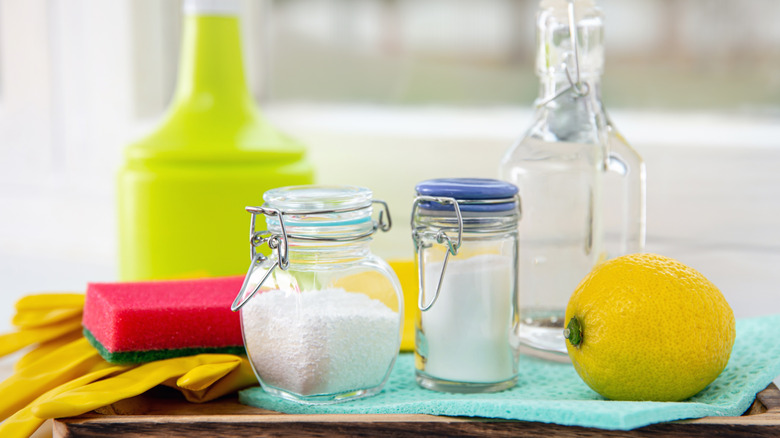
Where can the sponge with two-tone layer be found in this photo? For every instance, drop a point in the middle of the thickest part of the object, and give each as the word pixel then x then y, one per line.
pixel 144 321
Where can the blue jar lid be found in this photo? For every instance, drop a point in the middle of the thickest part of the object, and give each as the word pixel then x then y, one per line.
pixel 469 189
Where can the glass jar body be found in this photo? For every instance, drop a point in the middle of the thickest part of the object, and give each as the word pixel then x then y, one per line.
pixel 465 341
pixel 328 327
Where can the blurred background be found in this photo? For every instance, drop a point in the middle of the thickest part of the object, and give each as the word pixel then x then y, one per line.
pixel 386 93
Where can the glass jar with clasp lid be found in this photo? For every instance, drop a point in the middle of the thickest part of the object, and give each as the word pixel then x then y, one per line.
pixel 465 236
pixel 321 316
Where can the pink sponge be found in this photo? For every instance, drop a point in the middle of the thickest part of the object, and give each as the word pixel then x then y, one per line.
pixel 152 320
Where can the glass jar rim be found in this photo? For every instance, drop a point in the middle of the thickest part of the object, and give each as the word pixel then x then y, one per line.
pixel 321 212
pixel 317 198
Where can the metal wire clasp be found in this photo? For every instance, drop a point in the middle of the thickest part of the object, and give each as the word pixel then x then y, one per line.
pixel 279 242
pixel 576 85
pixel 257 238
pixel 441 237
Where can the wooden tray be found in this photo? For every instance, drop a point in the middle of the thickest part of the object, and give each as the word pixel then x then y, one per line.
pixel 163 412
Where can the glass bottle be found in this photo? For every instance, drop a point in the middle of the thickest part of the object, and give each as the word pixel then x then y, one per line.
pixel 582 185
pixel 321 316
pixel 182 188
pixel 465 236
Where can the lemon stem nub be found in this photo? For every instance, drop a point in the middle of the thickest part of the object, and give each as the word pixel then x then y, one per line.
pixel 573 332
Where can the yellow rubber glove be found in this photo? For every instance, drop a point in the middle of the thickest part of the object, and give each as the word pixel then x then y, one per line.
pixel 50 371
pixel 50 301
pixel 63 363
pixel 27 319
pixel 23 423
pixel 42 310
pixel 42 318
pixel 47 347
pixel 130 384
pixel 12 342
pixel 200 384
pixel 203 376
pixel 203 384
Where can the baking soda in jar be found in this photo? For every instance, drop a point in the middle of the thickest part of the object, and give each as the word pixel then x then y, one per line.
pixel 465 236
pixel 328 341
pixel 467 339
pixel 321 316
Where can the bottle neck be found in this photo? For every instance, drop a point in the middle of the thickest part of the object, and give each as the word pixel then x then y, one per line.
pixel 570 117
pixel 211 71
pixel 551 85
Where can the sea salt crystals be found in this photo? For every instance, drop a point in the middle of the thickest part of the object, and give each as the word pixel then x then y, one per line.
pixel 320 343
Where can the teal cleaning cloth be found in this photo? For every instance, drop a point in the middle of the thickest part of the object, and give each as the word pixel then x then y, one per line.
pixel 554 393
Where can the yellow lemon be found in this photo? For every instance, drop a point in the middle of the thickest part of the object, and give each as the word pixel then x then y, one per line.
pixel 647 327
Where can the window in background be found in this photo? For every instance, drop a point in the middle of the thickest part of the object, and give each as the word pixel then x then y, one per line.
pixel 83 78
pixel 678 54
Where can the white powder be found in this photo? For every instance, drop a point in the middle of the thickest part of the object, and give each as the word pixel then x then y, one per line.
pixel 467 329
pixel 320 342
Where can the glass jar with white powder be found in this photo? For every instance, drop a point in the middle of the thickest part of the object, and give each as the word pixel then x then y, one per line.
pixel 321 316
pixel 465 236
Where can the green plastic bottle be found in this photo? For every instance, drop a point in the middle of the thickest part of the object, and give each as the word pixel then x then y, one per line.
pixel 183 188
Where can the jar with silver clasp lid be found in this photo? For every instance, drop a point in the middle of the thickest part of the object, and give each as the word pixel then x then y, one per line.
pixel 465 236
pixel 321 316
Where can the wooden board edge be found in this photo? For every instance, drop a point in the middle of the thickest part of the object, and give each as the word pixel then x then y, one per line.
pixel 766 421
